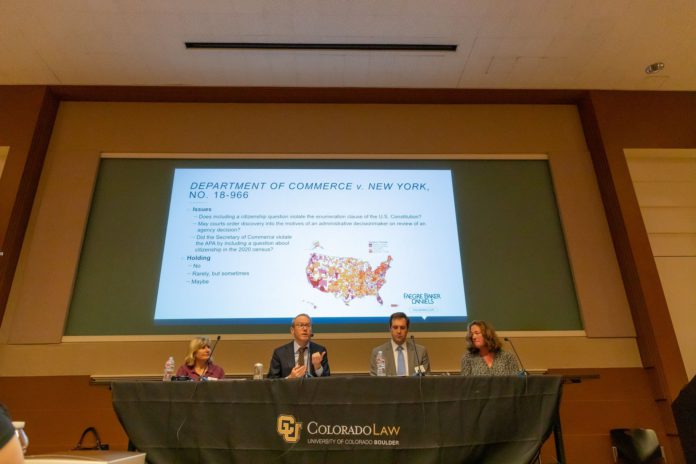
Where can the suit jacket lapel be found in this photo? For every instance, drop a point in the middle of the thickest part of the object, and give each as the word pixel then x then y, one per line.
pixel 389 359
pixel 310 348
pixel 411 358
pixel 290 356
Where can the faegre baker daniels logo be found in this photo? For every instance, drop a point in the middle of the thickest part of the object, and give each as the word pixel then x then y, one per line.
pixel 288 427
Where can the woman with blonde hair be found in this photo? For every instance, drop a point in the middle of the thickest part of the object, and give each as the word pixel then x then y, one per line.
pixel 198 365
pixel 485 354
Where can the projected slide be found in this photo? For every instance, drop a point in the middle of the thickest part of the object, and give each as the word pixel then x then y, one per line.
pixel 265 244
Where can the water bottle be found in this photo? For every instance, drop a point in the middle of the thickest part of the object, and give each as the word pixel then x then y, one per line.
pixel 381 365
pixel 169 367
pixel 21 435
pixel 258 371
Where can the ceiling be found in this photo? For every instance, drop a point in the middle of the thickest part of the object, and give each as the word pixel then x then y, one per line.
pixel 533 44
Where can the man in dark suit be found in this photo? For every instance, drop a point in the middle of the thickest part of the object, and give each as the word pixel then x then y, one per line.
pixel 400 356
pixel 301 357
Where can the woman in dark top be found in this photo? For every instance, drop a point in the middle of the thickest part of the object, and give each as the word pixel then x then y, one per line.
pixel 484 354
pixel 198 364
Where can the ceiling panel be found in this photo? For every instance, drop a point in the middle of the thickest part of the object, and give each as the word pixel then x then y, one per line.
pixel 602 44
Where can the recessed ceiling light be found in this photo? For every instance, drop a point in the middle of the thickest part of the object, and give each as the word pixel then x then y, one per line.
pixel 654 68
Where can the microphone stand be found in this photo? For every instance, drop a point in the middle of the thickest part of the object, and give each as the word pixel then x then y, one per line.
pixel 207 363
pixel 419 367
pixel 310 366
pixel 519 360
pixel 420 374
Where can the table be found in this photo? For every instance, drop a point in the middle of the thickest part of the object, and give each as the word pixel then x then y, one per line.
pixel 439 419
pixel 87 456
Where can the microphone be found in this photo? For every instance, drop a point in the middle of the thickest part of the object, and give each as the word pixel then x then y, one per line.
pixel 207 363
pixel 419 367
pixel 519 360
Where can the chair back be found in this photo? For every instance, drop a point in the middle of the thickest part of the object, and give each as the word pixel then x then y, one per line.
pixel 636 446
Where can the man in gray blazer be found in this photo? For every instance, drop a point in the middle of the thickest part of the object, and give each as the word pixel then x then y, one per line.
pixel 402 356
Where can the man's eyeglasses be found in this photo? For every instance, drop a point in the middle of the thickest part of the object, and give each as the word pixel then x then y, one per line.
pixel 303 325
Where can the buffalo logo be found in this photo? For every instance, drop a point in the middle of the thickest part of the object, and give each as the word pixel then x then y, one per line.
pixel 288 428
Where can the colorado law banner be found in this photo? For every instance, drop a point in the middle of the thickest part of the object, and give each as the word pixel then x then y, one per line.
pixel 341 419
pixel 290 429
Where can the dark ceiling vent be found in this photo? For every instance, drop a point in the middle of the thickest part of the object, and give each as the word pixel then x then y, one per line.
pixel 323 46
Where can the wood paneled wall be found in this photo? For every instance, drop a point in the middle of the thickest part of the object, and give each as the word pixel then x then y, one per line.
pixel 619 398
pixel 26 120
pixel 665 184
pixel 614 121
pixel 57 409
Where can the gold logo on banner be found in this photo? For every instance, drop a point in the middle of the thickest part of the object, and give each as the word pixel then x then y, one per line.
pixel 288 428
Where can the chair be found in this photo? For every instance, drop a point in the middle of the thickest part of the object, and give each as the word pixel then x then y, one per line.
pixel 636 446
